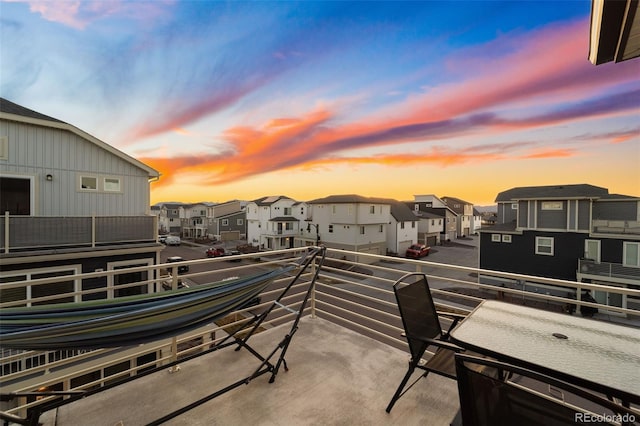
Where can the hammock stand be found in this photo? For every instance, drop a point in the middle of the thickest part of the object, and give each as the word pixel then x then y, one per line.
pixel 266 365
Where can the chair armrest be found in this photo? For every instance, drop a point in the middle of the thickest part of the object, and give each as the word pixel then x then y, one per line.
pixel 440 343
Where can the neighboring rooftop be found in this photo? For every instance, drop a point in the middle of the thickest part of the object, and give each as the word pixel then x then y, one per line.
pixel 9 107
pixel 552 192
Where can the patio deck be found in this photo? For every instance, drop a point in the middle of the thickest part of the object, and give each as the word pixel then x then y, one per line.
pixel 336 377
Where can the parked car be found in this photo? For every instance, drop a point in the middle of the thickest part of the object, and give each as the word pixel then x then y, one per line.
pixel 417 251
pixel 166 284
pixel 215 252
pixel 162 239
pixel 172 240
pixel 182 268
pixel 233 253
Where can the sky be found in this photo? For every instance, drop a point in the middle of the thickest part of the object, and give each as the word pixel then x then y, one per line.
pixel 240 100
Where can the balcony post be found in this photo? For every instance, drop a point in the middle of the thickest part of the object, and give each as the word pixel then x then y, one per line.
pixel 313 289
pixel 93 230
pixel 6 231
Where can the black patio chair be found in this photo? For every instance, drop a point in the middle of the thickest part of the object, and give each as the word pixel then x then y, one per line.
pixel 490 396
pixel 422 330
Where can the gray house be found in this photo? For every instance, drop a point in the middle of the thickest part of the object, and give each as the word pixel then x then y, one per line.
pixel 70 204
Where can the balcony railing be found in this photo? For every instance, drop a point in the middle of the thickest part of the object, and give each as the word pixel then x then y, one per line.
pixel 607 269
pixel 45 232
pixel 617 227
pixel 357 296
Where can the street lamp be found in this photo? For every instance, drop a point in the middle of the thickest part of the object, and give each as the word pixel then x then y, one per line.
pixel 309 225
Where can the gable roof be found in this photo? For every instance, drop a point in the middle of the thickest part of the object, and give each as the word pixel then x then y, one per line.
pixel 14 112
pixel 350 199
pixel 401 212
pixel 270 199
pixel 552 192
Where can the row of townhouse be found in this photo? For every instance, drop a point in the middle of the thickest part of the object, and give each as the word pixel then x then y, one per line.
pixel 221 221
pixel 575 232
pixel 357 223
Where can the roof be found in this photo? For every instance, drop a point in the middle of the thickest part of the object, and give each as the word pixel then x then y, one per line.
pixel 267 201
pixel 14 112
pixel 401 212
pixel 350 199
pixel 552 192
pixel 452 202
pixel 615 31
pixel 284 219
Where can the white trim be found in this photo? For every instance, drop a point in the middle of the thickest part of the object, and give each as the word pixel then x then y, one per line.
pixel 28 273
pixel 506 238
pixel 32 189
pixel 538 246
pixel 112 266
pixel 625 244
pixel 496 238
pixel 598 251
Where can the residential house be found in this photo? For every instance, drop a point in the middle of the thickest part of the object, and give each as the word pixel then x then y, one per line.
pixel 465 215
pixel 352 222
pixel 72 204
pixel 195 223
pixel 169 217
pixel 227 221
pixel 430 227
pixel 573 232
pixel 477 221
pixel 275 222
pixel 436 206
pixel 402 230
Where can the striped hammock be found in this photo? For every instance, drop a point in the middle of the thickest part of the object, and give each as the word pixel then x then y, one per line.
pixel 127 321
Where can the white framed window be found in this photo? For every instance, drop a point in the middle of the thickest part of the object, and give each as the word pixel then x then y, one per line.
pixel 552 205
pixel 413 224
pixel 401 225
pixel 333 209
pixel 88 183
pixel 225 222
pixel 506 238
pixel 45 291
pixel 372 209
pixel 111 184
pixel 416 207
pixel 496 238
pixel 362 230
pixel 381 229
pixel 331 229
pixel 4 148
pixel 514 206
pixel 239 222
pixel 544 246
pixel 631 254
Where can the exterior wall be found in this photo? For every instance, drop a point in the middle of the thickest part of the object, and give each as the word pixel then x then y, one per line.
pixel 36 151
pixel 616 210
pixel 399 233
pixel 506 213
pixel 235 223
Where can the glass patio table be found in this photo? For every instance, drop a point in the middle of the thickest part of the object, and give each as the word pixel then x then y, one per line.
pixel 586 352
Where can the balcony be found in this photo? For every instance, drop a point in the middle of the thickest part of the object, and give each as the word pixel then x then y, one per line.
pixel 24 233
pixel 587 267
pixel 627 228
pixel 345 360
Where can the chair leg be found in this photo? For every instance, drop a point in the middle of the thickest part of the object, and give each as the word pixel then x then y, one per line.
pixel 398 394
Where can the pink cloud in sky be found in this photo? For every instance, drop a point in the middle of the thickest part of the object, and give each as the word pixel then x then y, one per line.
pixel 78 14
pixel 550 68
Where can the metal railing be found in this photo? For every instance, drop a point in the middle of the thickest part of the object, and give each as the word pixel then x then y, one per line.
pixel 607 269
pixel 354 295
pixel 43 232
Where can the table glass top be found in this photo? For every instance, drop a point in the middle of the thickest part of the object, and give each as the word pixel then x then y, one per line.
pixel 594 350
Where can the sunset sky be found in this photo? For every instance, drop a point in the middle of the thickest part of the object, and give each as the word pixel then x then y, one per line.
pixel 239 100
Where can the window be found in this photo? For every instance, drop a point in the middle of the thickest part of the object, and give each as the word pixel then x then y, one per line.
pixel 552 205
pixel 514 206
pixel 333 209
pixel 4 148
pixel 112 184
pixel 544 245
pixel 496 238
pixel 89 183
pixel 631 254
pixel 506 238
pixel 413 224
pixel 433 222
pixel 331 229
pixel 287 211
pixel 362 230
pixel 372 209
pixel 17 195
pixel 381 229
pixel 239 222
pixel 416 207
pixel 28 293
pixel 401 225
pixel 225 222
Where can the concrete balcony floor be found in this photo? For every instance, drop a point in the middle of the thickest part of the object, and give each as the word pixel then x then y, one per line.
pixel 336 377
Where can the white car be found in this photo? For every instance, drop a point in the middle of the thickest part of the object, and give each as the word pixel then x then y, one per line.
pixel 172 240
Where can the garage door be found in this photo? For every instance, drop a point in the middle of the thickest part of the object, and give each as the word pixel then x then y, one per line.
pixel 432 240
pixel 230 235
pixel 367 259
pixel 403 246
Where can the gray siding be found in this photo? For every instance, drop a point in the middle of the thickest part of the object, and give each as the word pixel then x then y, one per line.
pixel 584 221
pixel 36 151
pixel 522 214
pixel 552 219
